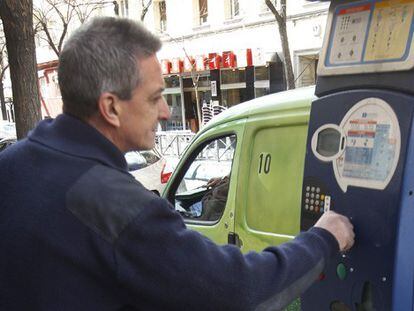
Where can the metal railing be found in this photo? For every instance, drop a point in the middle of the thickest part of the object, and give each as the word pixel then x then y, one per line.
pixel 173 143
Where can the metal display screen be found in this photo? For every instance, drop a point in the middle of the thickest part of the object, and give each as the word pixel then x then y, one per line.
pixel 328 142
pixel 358 150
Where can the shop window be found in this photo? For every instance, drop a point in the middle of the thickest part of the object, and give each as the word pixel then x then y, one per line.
pixel 261 81
pixel 172 82
pixel 233 76
pixel 175 122
pixel 202 82
pixel 233 87
pixel 202 193
pixel 261 91
pixel 232 97
pixel 307 65
pixel 261 73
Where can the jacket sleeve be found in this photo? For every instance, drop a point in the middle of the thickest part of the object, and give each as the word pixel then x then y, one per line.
pixel 162 265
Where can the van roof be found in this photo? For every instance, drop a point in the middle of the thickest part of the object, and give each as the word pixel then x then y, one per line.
pixel 292 99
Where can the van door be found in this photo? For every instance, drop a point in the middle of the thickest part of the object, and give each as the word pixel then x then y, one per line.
pixel 203 187
pixel 270 179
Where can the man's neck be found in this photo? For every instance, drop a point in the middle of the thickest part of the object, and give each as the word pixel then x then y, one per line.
pixel 106 130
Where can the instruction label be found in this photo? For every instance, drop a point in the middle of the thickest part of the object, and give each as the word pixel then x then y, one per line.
pixel 390 30
pixel 369 36
pixel 350 28
pixel 372 145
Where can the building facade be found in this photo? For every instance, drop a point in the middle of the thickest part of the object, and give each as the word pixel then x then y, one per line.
pixel 215 54
pixel 223 52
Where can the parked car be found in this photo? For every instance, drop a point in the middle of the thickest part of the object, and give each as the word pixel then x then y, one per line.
pixel 149 168
pixel 7 129
pixel 5 142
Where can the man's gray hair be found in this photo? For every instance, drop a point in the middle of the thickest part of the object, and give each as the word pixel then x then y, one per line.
pixel 102 56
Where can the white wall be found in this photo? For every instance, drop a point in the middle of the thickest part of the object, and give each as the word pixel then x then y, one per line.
pixel 255 28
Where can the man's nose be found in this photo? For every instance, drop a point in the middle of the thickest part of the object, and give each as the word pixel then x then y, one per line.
pixel 164 113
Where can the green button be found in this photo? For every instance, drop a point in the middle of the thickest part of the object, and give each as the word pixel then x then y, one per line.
pixel 341 271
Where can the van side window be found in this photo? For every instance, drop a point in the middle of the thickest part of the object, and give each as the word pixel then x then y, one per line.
pixel 202 193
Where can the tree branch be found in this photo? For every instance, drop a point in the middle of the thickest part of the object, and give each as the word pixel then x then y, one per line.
pixel 62 12
pixel 49 38
pixel 278 16
pixel 3 71
pixel 145 8
pixel 62 37
pixel 281 22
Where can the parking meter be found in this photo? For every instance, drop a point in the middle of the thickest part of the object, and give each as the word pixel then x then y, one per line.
pixel 360 155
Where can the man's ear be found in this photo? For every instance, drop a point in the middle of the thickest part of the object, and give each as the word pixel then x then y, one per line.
pixel 110 108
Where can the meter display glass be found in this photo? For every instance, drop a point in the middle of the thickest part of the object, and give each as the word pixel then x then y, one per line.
pixel 328 142
pixel 372 145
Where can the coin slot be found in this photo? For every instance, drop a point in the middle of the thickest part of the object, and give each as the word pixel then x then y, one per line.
pixel 339 306
pixel 367 298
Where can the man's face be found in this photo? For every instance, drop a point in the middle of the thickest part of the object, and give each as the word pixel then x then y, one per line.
pixel 141 114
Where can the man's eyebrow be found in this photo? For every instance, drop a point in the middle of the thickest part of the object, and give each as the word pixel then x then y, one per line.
pixel 158 92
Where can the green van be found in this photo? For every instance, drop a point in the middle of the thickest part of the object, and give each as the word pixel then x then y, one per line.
pixel 254 154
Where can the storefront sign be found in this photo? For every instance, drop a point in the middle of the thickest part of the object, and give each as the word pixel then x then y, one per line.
pixel 200 63
pixel 189 63
pixel 258 57
pixel 176 65
pixel 229 59
pixel 249 57
pixel 165 66
pixel 214 61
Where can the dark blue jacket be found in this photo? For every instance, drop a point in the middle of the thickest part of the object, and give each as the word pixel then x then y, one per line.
pixel 78 232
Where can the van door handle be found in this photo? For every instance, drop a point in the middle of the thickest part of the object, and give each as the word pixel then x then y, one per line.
pixel 233 238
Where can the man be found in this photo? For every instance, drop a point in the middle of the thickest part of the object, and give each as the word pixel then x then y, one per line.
pixel 77 232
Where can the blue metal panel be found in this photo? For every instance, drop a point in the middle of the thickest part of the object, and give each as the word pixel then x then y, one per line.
pixel 375 214
pixel 404 257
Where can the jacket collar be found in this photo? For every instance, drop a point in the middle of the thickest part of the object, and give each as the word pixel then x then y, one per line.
pixel 75 137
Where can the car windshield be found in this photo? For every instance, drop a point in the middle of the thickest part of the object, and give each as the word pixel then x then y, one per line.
pixel 7 129
pixel 205 170
pixel 135 160
pixel 150 156
pixel 140 159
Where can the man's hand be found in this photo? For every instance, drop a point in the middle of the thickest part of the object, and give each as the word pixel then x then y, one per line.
pixel 340 227
pixel 214 181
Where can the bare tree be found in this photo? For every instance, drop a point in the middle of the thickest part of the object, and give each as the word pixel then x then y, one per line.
pixel 280 16
pixel 145 4
pixel 17 18
pixel 3 67
pixel 53 18
pixel 195 77
pixel 85 9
